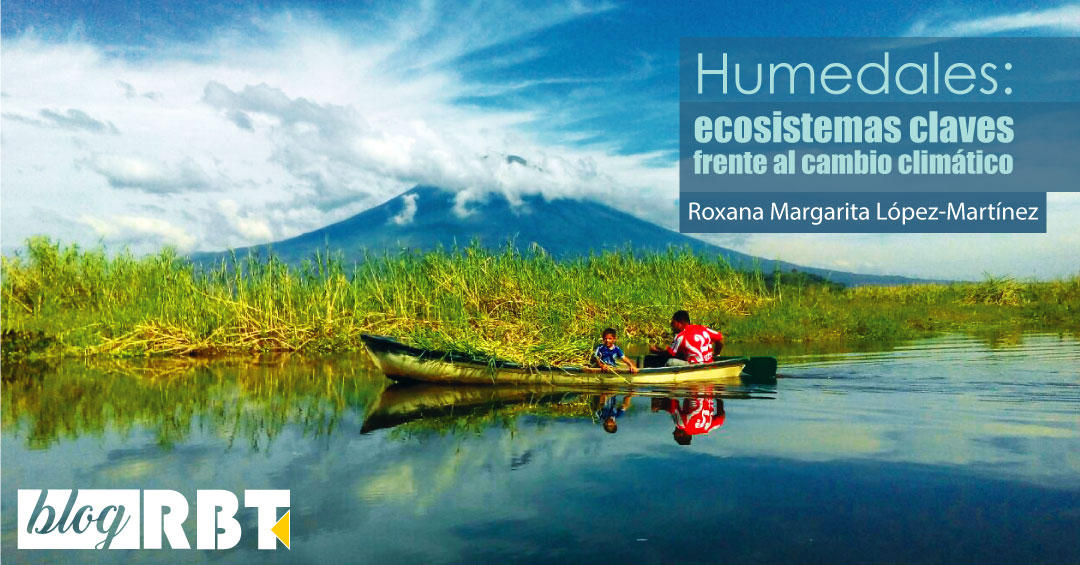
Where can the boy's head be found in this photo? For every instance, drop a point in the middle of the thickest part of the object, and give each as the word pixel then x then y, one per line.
pixel 681 437
pixel 610 425
pixel 609 337
pixel 679 321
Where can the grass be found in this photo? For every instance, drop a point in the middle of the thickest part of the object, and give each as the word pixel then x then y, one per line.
pixel 61 301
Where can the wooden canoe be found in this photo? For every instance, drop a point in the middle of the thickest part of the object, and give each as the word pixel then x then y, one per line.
pixel 402 362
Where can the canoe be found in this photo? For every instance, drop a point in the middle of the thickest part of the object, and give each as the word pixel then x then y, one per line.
pixel 402 362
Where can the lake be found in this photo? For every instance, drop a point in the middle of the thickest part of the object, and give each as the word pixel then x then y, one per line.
pixel 953 449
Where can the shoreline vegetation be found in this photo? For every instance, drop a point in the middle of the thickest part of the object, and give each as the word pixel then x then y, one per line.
pixel 524 306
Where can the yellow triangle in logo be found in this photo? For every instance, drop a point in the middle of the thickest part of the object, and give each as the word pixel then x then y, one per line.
pixel 282 530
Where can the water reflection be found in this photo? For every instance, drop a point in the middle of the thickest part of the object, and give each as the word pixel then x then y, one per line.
pixel 609 409
pixel 935 451
pixel 696 414
pixel 420 408
pixel 248 401
pixel 415 410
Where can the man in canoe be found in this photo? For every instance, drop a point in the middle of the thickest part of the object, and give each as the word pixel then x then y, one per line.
pixel 693 343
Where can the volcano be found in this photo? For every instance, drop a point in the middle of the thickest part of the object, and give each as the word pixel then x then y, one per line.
pixel 424 218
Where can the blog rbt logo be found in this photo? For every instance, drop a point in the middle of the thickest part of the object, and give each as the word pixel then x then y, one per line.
pixel 114 519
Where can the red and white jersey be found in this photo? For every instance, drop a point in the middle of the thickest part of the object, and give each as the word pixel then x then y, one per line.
pixel 695 344
pixel 697 415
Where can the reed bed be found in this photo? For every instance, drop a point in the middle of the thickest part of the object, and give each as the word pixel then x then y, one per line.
pixel 519 305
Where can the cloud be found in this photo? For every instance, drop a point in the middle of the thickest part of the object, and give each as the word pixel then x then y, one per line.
pixel 408 210
pixel 72 120
pixel 241 119
pixel 128 88
pixel 150 175
pixel 131 93
pixel 246 225
pixel 476 26
pixel 1065 18
pixel 270 101
pixel 303 121
pixel 140 229
pixel 340 153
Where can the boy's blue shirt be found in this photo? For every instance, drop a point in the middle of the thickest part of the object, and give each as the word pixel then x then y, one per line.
pixel 608 355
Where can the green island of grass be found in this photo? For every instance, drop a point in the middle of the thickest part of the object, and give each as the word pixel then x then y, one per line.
pixel 62 301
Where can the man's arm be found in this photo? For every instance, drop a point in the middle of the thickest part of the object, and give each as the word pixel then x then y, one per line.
pixel 676 346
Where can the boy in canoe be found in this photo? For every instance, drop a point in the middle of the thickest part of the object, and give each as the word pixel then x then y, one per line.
pixel 693 343
pixel 607 354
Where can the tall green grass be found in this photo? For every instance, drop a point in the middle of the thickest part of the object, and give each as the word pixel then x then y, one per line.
pixel 523 306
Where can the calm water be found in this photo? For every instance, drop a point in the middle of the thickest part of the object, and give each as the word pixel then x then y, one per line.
pixel 948 450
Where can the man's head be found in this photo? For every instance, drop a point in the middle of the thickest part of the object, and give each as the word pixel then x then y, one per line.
pixel 681 437
pixel 679 321
pixel 610 425
pixel 609 337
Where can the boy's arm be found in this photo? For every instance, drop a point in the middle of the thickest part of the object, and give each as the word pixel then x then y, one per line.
pixel 629 363
pixel 604 367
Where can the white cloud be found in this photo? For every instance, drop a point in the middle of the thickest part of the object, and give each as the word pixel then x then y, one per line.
pixel 131 92
pixel 1065 18
pixel 306 126
pixel 150 175
pixel 73 120
pixel 247 225
pixel 408 210
pixel 138 229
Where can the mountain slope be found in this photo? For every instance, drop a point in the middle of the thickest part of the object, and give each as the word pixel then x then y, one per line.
pixel 562 227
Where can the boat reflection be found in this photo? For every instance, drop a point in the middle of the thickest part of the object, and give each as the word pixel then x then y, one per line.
pixel 446 407
pixel 415 407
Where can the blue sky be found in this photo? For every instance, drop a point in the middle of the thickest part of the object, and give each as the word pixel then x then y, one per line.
pixel 213 125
